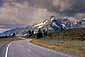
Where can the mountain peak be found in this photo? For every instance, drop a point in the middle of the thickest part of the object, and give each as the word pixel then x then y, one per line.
pixel 58 22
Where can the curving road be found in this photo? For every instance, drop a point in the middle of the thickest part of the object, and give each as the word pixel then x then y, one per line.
pixel 24 48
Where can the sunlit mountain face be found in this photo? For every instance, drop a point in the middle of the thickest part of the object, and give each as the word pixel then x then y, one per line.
pixel 29 12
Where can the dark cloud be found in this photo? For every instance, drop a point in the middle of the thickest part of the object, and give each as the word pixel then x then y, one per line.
pixel 31 11
pixel 1 2
pixel 61 6
pixel 47 4
pixel 77 6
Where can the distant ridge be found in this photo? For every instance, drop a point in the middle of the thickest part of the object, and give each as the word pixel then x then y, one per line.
pixel 57 23
pixel 17 31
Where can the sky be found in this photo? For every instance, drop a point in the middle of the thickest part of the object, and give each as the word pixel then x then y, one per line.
pixel 14 13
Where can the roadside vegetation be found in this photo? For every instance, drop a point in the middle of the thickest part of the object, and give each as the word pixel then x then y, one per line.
pixel 4 41
pixel 69 41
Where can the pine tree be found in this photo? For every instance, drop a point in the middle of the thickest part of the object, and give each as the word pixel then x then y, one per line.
pixel 39 34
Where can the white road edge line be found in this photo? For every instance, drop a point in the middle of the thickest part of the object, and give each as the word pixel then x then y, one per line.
pixel 59 53
pixel 7 50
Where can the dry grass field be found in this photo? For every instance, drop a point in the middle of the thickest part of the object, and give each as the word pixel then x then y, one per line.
pixel 71 47
pixel 70 41
pixel 4 41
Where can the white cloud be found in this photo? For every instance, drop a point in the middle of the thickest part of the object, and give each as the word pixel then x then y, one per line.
pixel 31 12
pixel 22 13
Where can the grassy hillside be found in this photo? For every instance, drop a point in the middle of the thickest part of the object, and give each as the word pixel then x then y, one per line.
pixel 70 34
pixel 70 41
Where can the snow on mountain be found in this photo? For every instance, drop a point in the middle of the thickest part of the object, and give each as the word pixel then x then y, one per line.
pixel 59 23
pixel 3 30
pixel 42 24
pixel 16 31
pixel 83 22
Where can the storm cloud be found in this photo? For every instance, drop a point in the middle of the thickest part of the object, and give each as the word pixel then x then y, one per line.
pixel 34 11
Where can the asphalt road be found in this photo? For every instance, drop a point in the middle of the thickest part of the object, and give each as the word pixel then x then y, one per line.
pixel 24 48
pixel 3 50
